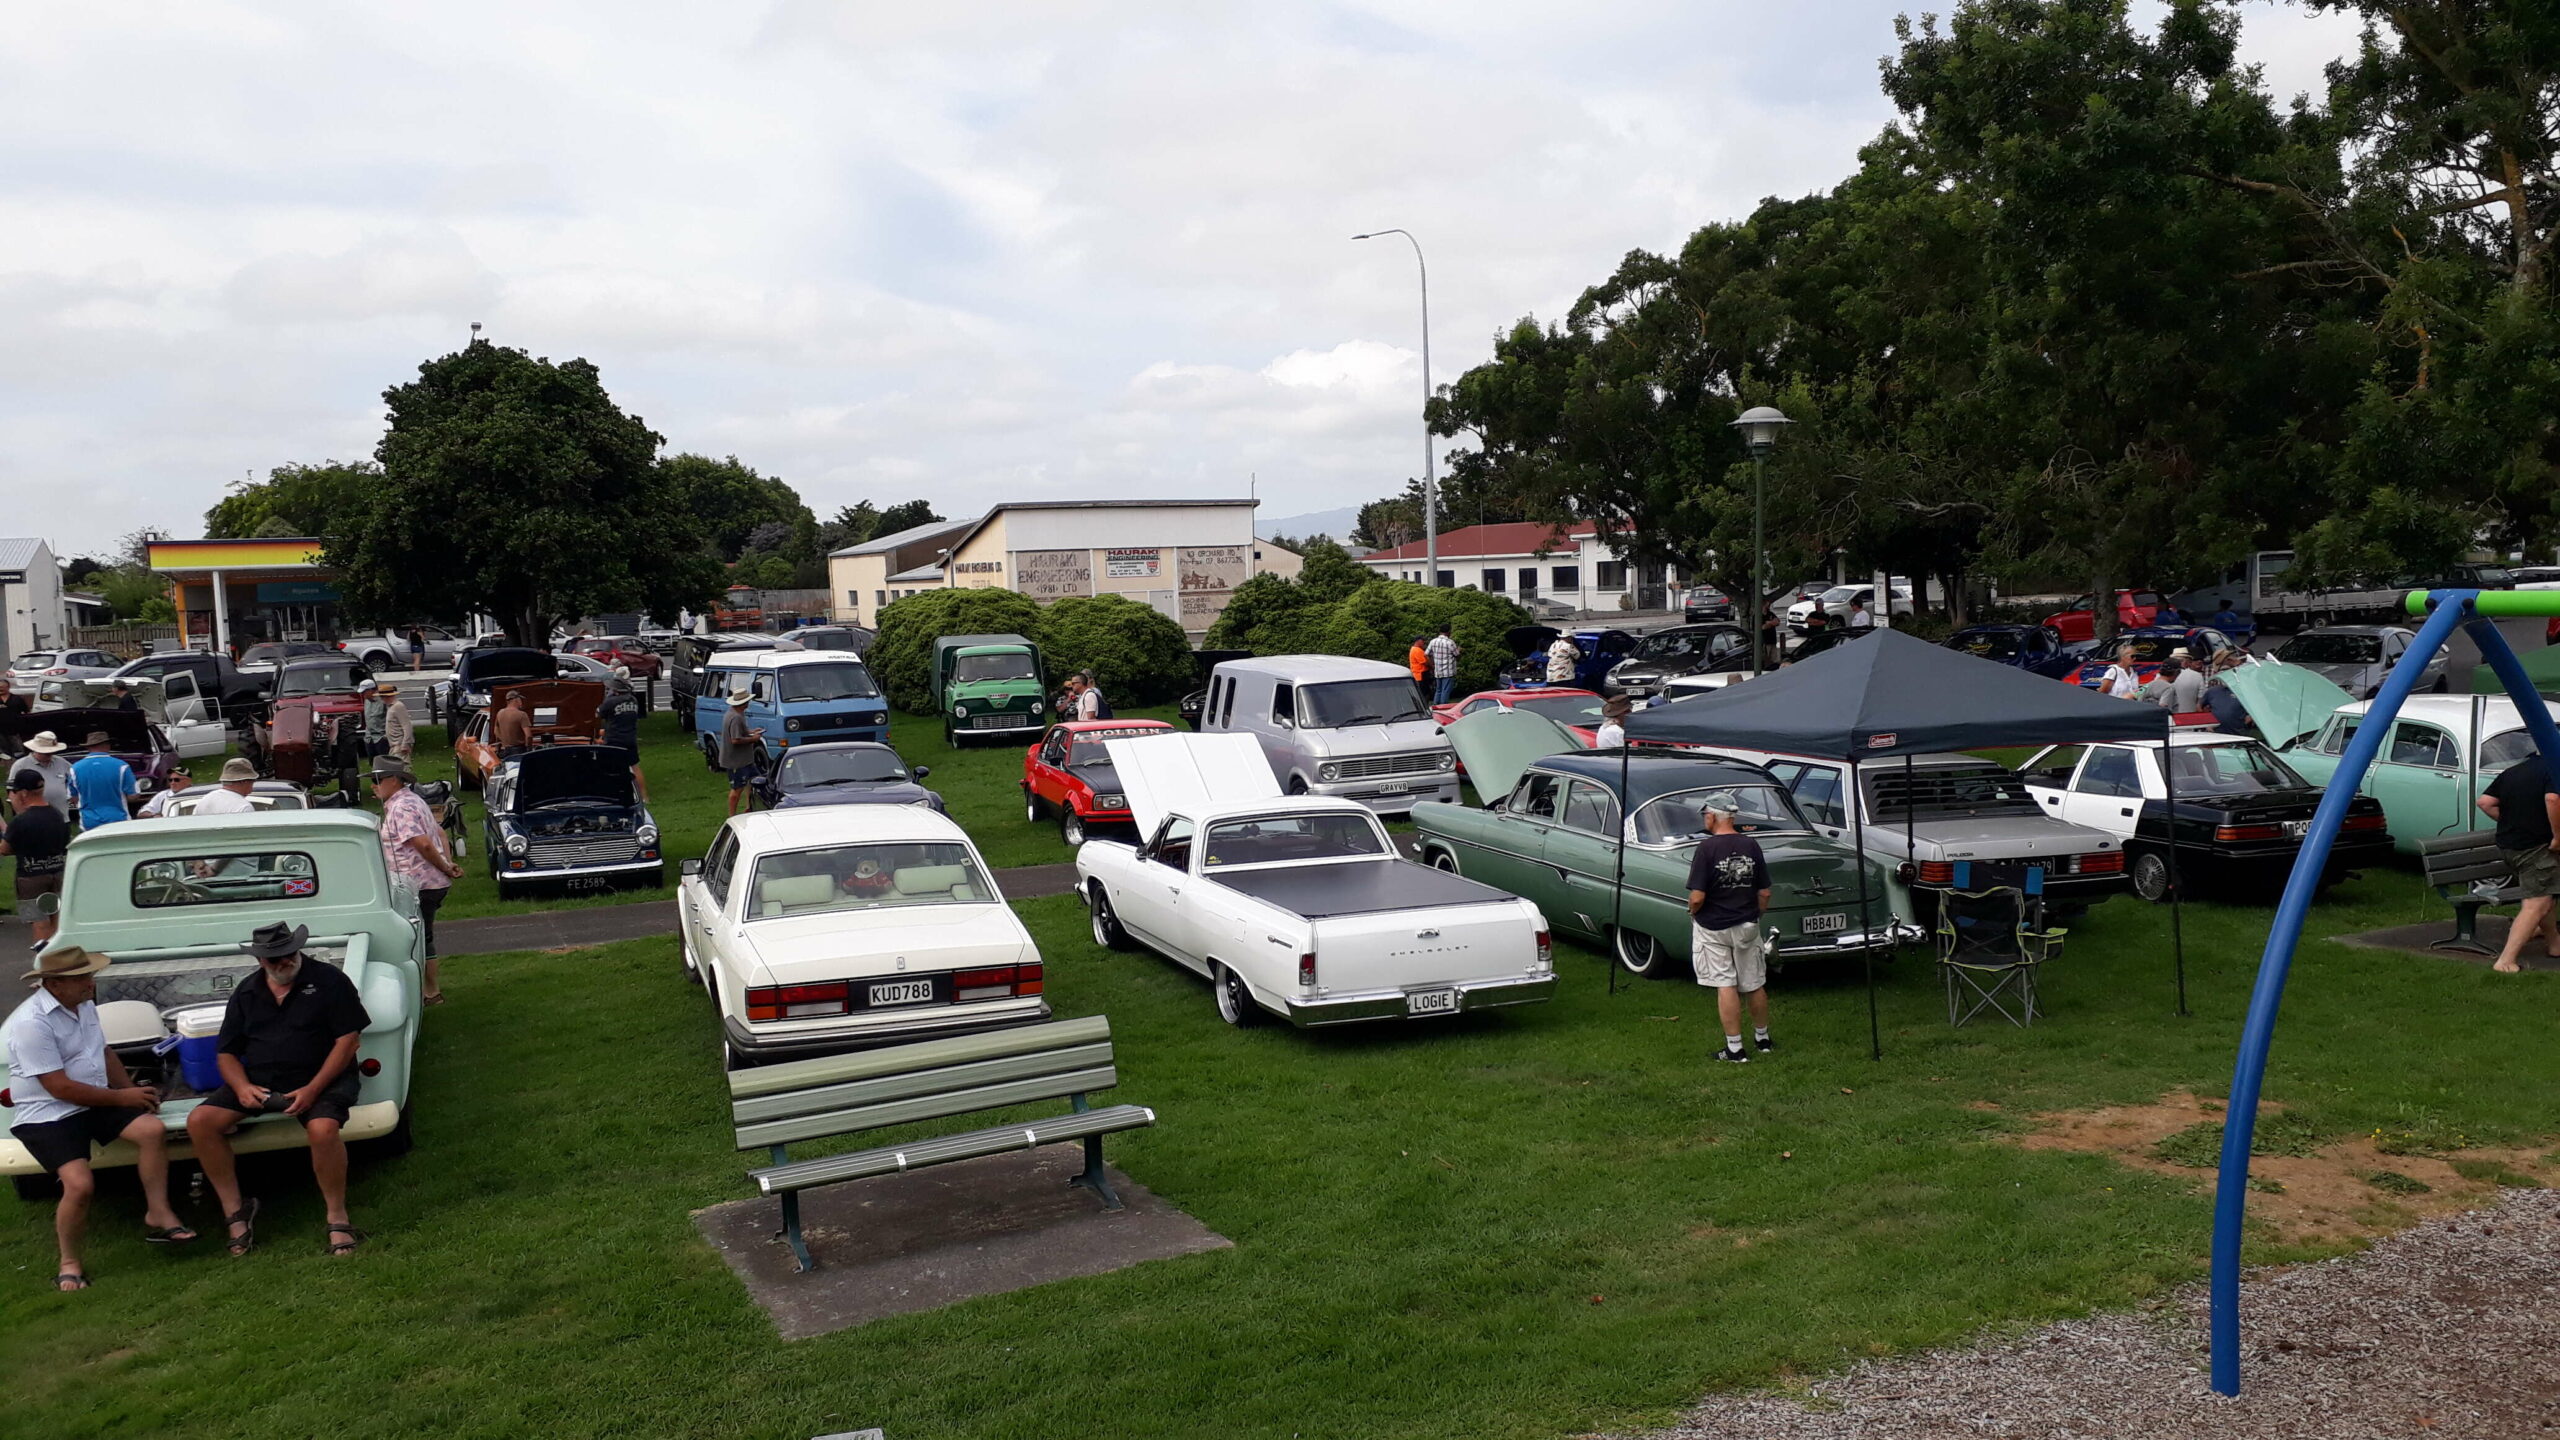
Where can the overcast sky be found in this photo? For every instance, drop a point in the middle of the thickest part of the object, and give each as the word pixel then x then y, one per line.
pixel 971 252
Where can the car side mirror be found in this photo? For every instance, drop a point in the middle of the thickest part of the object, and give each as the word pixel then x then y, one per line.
pixel 923 772
pixel 690 867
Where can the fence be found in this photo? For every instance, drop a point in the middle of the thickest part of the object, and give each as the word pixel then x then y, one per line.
pixel 125 642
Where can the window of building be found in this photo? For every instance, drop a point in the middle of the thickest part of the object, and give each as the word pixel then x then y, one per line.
pixel 1528 579
pixel 879 597
pixel 1612 575
pixel 1494 578
pixel 1567 577
pixel 1448 579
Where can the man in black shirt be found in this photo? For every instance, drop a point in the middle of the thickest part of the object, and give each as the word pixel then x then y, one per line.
pixel 2527 812
pixel 37 835
pixel 1728 893
pixel 288 1045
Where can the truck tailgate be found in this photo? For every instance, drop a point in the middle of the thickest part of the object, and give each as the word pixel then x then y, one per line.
pixel 1413 950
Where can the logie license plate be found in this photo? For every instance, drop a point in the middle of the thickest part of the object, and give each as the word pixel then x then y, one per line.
pixel 902 992
pixel 1831 924
pixel 1431 1002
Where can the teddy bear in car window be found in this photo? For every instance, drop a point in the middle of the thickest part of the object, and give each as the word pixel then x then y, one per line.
pixel 867 880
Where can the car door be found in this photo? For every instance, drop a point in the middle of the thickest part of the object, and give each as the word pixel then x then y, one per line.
pixel 2106 793
pixel 1516 846
pixel 703 901
pixel 2048 773
pixel 1819 793
pixel 192 729
pixel 1048 767
pixel 2418 779
pixel 1151 905
pixel 1579 880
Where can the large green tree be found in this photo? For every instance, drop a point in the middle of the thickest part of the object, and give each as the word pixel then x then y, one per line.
pixel 515 486
pixel 732 503
pixel 295 500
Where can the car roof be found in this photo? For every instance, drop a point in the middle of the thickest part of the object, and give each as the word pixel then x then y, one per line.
pixel 2498 712
pixel 1931 760
pixel 785 659
pixel 263 825
pixel 2356 630
pixel 1649 776
pixel 842 824
pixel 829 747
pixel 1134 722
pixel 1315 669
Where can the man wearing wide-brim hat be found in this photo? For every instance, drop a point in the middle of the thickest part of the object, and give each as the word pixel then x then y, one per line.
pixel 230 794
pixel 44 757
pixel 741 752
pixel 288 1045
pixel 69 1092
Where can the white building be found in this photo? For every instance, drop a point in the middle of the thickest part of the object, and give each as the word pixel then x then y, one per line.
pixel 30 596
pixel 1530 560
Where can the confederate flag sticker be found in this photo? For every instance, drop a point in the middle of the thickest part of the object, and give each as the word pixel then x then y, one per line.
pixel 1885 741
pixel 303 886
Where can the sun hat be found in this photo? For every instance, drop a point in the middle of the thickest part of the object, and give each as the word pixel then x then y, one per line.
pixel 45 743
pixel 385 687
pixel 97 741
pixel 277 940
pixel 66 962
pixel 392 767
pixel 237 769
pixel 1617 707
pixel 738 697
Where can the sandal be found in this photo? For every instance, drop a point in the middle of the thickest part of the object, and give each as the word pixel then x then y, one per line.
pixel 435 999
pixel 178 1234
pixel 69 1281
pixel 246 1217
pixel 347 1246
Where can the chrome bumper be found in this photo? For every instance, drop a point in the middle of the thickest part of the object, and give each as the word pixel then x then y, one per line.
pixel 257 1133
pixel 886 1027
pixel 1407 794
pixel 1390 1004
pixel 569 872
pixel 1810 947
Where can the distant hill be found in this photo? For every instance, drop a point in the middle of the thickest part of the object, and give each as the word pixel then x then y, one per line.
pixel 1336 523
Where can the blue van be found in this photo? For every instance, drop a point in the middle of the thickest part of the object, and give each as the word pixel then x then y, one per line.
pixel 794 697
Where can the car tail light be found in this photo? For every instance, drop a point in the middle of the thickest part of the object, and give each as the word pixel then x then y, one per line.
pixel 1937 872
pixel 368 1067
pixel 798 1002
pixel 998 981
pixel 59 670
pixel 2363 822
pixel 2227 833
pixel 2101 862
pixel 1307 970
pixel 1546 950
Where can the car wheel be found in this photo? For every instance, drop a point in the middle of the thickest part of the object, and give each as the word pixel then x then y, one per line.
pixel 2151 877
pixel 1106 926
pixel 1640 953
pixel 1031 807
pixel 1297 784
pixel 461 843
pixel 1442 860
pixel 1235 1003
pixel 1071 828
pixel 377 662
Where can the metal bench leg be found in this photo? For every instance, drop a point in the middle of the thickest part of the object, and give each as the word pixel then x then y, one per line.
pixel 1092 1178
pixel 790 1231
pixel 2466 928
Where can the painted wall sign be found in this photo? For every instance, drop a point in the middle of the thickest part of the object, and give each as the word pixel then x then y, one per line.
pixel 1053 574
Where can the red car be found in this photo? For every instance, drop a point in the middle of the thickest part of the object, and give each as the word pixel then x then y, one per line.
pixel 623 650
pixel 2077 625
pixel 1069 774
pixel 1575 710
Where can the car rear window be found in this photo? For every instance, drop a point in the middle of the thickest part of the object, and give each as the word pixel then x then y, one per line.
pixel 234 879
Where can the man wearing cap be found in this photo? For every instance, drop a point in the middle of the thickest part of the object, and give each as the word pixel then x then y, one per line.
pixel 37 835
pixel 157 807
pixel 103 783
pixel 1728 895
pixel 231 796
pixel 44 758
pixel 68 1091
pixel 289 1037
pixel 512 727
pixel 413 846
pixel 622 724
pixel 740 754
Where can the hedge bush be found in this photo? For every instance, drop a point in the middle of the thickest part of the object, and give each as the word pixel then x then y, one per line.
pixel 901 655
pixel 1136 653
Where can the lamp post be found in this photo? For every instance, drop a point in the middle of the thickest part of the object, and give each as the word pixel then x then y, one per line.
pixel 1430 465
pixel 1760 426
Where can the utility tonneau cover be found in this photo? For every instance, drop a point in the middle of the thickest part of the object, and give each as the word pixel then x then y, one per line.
pixel 1357 887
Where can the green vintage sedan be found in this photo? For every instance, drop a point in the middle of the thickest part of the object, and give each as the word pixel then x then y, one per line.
pixel 1553 833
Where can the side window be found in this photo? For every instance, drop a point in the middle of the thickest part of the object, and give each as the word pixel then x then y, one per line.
pixel 2500 751
pixel 762 689
pixel 1817 794
pixel 149 672
pixel 717 865
pixel 181 686
pixel 1592 808
pixel 1726 645
pixel 1053 751
pixel 2109 771
pixel 1535 796
pixel 2055 768
pixel 2416 744
pixel 2333 740
pixel 1173 844
pixel 1284 705
pixel 1227 707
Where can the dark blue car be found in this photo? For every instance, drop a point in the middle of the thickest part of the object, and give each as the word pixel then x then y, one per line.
pixel 845 772
pixel 1601 652
pixel 2033 648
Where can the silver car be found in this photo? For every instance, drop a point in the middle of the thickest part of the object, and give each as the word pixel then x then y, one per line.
pixel 1331 725
pixel 2356 657
pixel 29 671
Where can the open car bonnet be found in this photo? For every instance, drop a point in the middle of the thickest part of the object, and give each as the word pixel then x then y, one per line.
pixel 2542 667
pixel 601 773
pixel 1526 640
pixel 482 668
pixel 2287 701
pixel 1174 771
pixel 1497 743
pixel 559 707
pixel 101 695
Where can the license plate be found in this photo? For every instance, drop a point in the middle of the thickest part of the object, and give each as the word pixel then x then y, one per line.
pixel 902 992
pixel 1431 1002
pixel 1831 924
pixel 590 882
pixel 2297 828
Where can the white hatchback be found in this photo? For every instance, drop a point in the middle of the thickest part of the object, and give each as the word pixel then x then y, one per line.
pixel 841 927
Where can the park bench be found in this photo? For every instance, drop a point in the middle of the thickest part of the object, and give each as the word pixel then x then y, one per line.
pixel 776 1106
pixel 2469 870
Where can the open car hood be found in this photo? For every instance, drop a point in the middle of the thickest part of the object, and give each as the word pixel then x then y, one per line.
pixel 1527 639
pixel 1497 743
pixel 101 695
pixel 2541 666
pixel 560 707
pixel 1174 771
pixel 2287 701
pixel 481 668
pixel 601 773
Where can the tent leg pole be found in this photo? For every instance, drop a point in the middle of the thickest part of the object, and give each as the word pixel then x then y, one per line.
pixel 1618 883
pixel 2177 890
pixel 1866 917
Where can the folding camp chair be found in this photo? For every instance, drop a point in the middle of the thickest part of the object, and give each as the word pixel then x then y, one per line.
pixel 1992 938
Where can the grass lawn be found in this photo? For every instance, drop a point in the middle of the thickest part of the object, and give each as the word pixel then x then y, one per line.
pixel 1531 1224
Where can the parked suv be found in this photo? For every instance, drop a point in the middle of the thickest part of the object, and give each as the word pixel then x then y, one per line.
pixel 37 666
pixel 389 650
pixel 234 693
pixel 1331 725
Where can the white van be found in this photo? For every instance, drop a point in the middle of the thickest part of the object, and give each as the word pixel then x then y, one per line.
pixel 1332 725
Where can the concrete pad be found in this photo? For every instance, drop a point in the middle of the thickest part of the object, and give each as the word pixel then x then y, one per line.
pixel 930 1238
pixel 2416 940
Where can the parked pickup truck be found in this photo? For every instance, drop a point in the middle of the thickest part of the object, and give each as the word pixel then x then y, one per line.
pixel 234 693
pixel 1297 906
pixel 171 902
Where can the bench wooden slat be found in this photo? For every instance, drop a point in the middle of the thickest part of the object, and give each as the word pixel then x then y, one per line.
pixel 925 1107
pixel 923 1055
pixel 854 1093
pixel 889 1160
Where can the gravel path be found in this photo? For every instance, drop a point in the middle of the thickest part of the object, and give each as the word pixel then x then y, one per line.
pixel 2448 1329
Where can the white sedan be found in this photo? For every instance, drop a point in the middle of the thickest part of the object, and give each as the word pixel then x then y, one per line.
pixel 842 927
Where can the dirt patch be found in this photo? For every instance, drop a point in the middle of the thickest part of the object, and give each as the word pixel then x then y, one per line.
pixel 2344 1192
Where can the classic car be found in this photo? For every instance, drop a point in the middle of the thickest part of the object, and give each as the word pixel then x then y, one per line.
pixel 173 902
pixel 1335 725
pixel 1297 906
pixel 314 724
pixel 1205 662
pixel 2031 648
pixel 2077 622
pixel 564 817
pixel 190 724
pixel 474 671
pixel 1554 830
pixel 623 650
pixel 1069 774
pixel 2356 657
pixel 1922 813
pixel 989 684
pixel 32 669
pixel 266 795
pixel 1576 710
pixel 564 712
pixel 839 927
pixel 2241 812
pixel 795 697
pixel 687 660
pixel 2151 645
pixel 1666 655
pixel 844 772
pixel 1601 652
pixel 131 738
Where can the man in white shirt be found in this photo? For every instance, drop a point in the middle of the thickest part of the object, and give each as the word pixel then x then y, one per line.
pixel 1088 698
pixel 68 1092
pixel 44 757
pixel 158 805
pixel 1859 619
pixel 231 797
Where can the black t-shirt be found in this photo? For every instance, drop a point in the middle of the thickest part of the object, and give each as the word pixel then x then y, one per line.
pixel 1731 872
pixel 37 836
pixel 2522 822
pixel 282 1045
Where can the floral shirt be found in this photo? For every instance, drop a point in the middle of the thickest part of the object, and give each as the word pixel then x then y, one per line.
pixel 405 818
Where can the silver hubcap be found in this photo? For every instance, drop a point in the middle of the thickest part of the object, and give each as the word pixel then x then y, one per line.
pixel 1074 830
pixel 1229 1005
pixel 1636 950
pixel 1101 926
pixel 1443 860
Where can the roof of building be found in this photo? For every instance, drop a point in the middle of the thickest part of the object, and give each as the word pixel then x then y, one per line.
pixel 989 518
pixel 19 554
pixel 912 535
pixel 1522 537
pixel 921 575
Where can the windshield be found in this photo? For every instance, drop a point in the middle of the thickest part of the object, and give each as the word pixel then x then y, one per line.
pixel 2319 649
pixel 1359 702
pixel 1273 839
pixel 2150 649
pixel 1990 644
pixel 33 660
pixel 2250 769
pixel 816 639
pixel 1946 790
pixel 839 767
pixel 1675 819
pixel 1087 747
pixel 866 877
pixel 2492 576
pixel 318 680
pixel 1564 709
pixel 1670 647
pixel 1016 666
pixel 837 680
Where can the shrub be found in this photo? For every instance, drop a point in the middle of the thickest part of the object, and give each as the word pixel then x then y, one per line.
pixel 1329 610
pixel 902 654
pixel 1137 654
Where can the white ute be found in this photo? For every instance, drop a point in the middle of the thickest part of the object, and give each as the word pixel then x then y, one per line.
pixel 1297 906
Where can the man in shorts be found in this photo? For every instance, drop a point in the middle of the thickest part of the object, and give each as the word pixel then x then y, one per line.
pixel 740 753
pixel 68 1091
pixel 1728 893
pixel 288 1045
pixel 2528 814
pixel 37 835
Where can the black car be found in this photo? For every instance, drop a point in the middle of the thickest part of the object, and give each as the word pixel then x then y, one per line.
pixel 1678 650
pixel 2037 649
pixel 691 652
pixel 474 671
pixel 565 817
pixel 845 772
pixel 1705 602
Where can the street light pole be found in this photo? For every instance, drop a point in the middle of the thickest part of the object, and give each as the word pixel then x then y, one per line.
pixel 1760 426
pixel 1430 462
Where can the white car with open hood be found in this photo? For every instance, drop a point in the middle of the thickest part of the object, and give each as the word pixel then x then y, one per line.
pixel 841 927
pixel 1300 905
